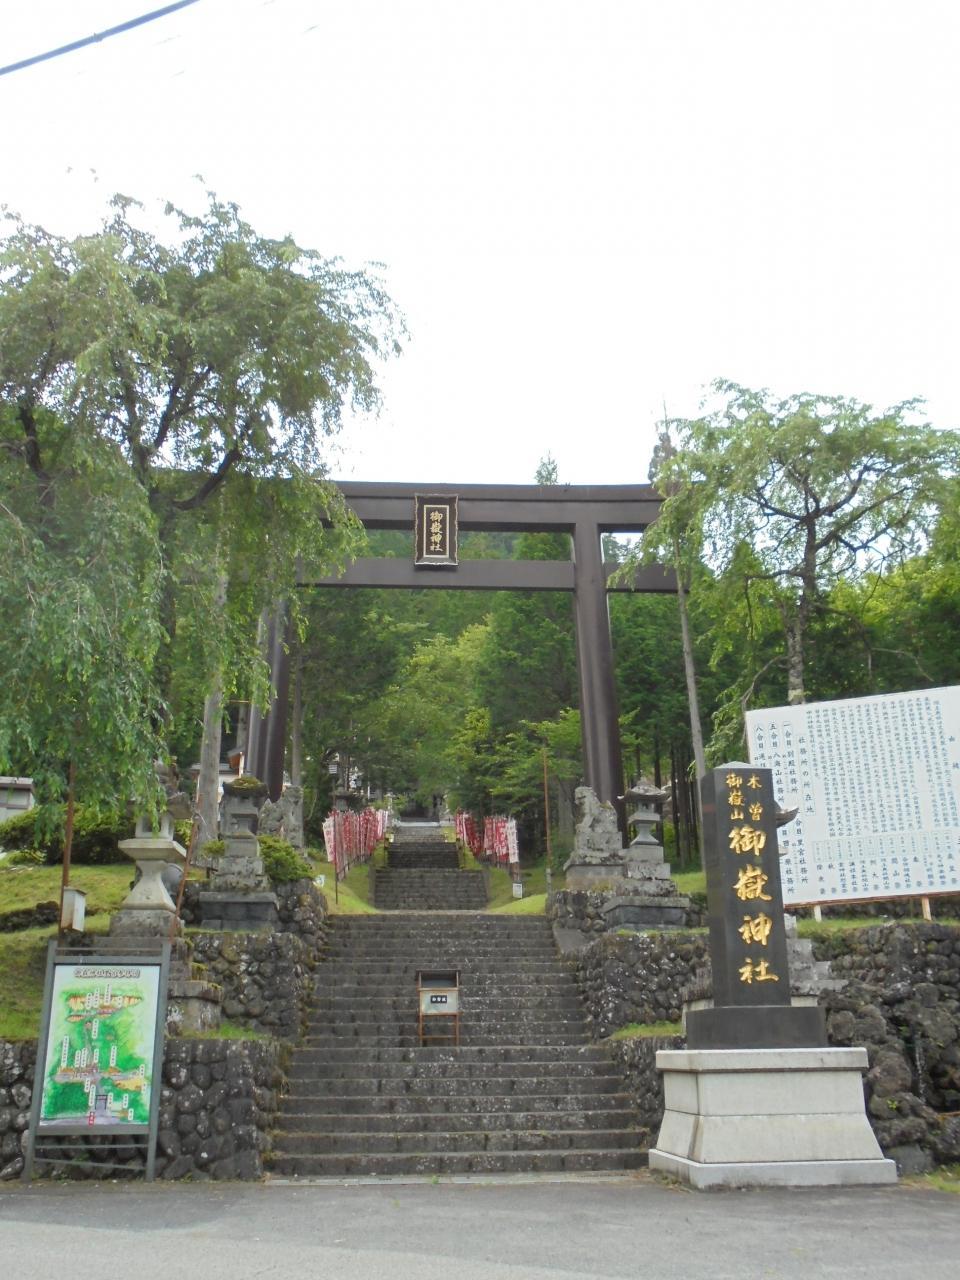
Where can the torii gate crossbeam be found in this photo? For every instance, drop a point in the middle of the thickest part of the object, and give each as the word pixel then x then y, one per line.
pixel 585 512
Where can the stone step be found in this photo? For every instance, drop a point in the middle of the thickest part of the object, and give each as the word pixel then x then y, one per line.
pixel 500 962
pixel 497 1056
pixel 475 919
pixel 518 1139
pixel 319 1035
pixel 480 984
pixel 525 1090
pixel 473 960
pixel 429 899
pixel 309 1097
pixel 467 1039
pixel 303 1119
pixel 489 1024
pixel 402 977
pixel 418 859
pixel 472 1000
pixel 431 1087
pixel 312 1062
pixel 454 1163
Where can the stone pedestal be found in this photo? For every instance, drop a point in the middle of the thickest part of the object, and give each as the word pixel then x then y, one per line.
pixel 767 1117
pixel 642 894
pixel 193 1001
pixel 193 1005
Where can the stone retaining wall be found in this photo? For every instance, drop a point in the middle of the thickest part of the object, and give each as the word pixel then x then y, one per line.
pixel 217 1107
pixel 637 977
pixel 582 909
pixel 638 1056
pixel 17 1063
pixel 265 977
pixel 901 1002
pixel 218 1103
pixel 302 908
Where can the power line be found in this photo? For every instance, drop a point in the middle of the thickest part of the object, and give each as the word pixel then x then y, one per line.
pixel 96 37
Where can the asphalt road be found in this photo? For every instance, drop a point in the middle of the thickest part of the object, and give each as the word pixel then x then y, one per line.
pixel 634 1227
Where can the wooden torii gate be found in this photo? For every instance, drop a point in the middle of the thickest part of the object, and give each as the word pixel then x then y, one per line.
pixel 585 512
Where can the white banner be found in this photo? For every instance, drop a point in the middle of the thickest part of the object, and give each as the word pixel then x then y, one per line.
pixel 878 784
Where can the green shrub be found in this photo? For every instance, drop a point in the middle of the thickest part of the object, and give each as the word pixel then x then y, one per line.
pixel 282 862
pixel 95 835
pixel 19 832
pixel 24 858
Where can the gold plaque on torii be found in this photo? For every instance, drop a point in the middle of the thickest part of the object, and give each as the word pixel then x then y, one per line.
pixel 435 531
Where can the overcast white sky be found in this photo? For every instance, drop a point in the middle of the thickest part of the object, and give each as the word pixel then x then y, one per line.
pixel 584 209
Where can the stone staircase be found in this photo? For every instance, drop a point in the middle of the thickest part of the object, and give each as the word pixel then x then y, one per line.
pixel 526 1091
pixel 423 874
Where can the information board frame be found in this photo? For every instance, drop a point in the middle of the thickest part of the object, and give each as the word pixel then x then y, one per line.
pixel 877 783
pixel 91 976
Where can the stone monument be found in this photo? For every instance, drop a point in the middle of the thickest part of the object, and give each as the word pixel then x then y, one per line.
pixel 640 892
pixel 284 817
pixel 239 895
pixel 758 1098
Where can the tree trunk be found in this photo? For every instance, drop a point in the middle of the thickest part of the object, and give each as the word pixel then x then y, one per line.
pixel 675 807
pixel 295 833
pixel 796 693
pixel 690 671
pixel 208 783
pixel 296 728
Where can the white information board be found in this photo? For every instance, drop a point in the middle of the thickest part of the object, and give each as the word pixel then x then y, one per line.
pixel 878 784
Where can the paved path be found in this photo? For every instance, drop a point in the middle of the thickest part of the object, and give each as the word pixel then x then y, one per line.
pixel 630 1227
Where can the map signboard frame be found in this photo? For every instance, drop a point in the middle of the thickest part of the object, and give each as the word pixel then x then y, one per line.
pixel 877 784
pixel 100 1051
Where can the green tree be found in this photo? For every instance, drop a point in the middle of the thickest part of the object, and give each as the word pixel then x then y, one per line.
pixel 80 627
pixel 795 495
pixel 214 365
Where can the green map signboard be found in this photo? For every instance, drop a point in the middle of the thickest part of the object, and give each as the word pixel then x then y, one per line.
pixel 99 1065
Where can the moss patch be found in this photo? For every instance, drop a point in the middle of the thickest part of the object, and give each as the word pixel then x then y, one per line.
pixel 644 1031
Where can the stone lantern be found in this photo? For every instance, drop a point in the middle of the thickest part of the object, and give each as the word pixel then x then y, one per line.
pixel 148 909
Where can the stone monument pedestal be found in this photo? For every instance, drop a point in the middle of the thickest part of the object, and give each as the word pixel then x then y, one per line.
pixel 636 881
pixel 767 1117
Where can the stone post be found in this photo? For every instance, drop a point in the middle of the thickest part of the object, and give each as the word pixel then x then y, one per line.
pixel 757 1098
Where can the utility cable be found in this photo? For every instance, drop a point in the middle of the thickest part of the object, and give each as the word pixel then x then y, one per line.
pixel 96 37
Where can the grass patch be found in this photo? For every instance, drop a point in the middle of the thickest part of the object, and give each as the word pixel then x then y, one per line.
pixel 228 1031
pixel 106 887
pixel 500 886
pixel 688 882
pixel 533 904
pixel 823 930
pixel 352 896
pixel 945 1179
pixel 644 1031
pixel 23 962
